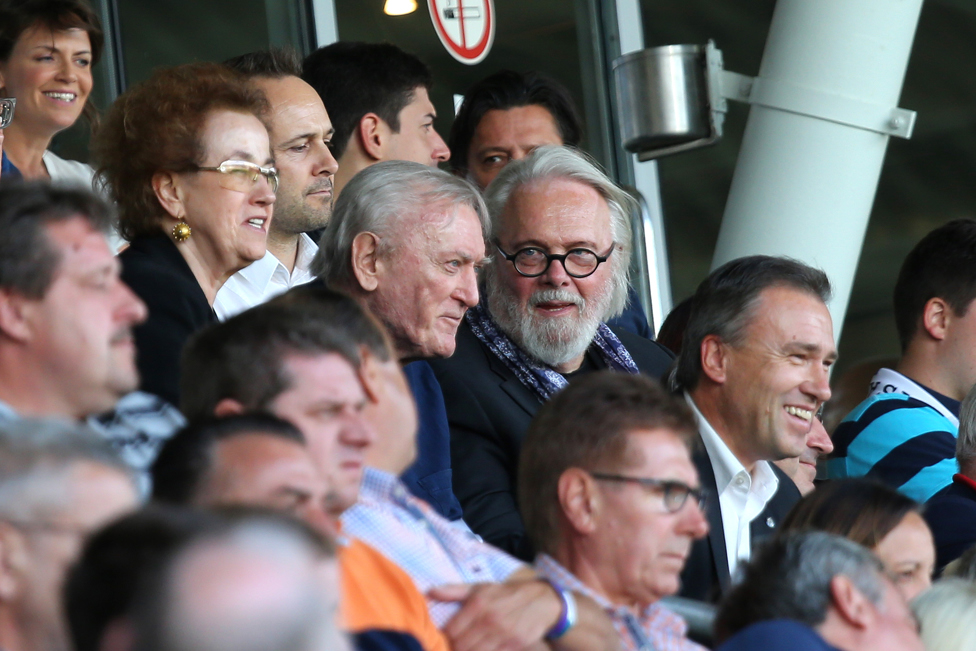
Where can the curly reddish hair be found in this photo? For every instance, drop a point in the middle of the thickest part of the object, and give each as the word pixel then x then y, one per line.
pixel 155 127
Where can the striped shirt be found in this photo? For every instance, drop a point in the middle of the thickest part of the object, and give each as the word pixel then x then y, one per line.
pixel 656 628
pixel 431 549
pixel 899 440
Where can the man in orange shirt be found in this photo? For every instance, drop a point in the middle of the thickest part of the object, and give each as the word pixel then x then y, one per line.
pixel 261 460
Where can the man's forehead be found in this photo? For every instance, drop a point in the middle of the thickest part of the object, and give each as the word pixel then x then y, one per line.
pixel 322 375
pixel 261 446
pixel 419 101
pixel 778 304
pixel 289 95
pixel 559 204
pixel 76 235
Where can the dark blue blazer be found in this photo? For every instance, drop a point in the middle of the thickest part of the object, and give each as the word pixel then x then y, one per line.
pixel 489 410
pixel 951 514
pixel 429 478
pixel 776 635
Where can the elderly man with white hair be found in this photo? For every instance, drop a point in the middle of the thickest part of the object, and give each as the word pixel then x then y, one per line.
pixel 560 245
pixel 406 241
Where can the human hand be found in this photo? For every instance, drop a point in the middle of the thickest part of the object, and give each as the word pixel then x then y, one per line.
pixel 509 616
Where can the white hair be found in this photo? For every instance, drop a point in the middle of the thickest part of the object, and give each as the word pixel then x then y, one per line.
pixel 376 200
pixel 946 613
pixel 556 162
pixel 966 441
pixel 37 457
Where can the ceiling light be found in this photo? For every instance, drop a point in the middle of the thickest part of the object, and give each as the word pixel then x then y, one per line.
pixel 399 7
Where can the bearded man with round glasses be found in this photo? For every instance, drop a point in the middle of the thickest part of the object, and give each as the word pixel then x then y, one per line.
pixel 561 236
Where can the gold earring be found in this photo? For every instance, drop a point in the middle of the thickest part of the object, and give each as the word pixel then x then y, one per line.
pixel 182 231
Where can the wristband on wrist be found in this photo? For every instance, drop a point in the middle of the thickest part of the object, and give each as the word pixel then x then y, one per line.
pixel 567 618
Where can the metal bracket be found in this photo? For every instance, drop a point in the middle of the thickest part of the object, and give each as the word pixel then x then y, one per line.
pixel 802 100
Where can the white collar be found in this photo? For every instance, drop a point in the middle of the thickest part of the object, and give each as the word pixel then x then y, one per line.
pixel 889 381
pixel 258 274
pixel 725 464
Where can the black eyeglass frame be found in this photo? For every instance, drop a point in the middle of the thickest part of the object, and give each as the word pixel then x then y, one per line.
pixel 561 257
pixel 666 486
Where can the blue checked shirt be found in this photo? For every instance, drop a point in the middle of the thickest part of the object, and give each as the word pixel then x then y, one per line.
pixel 656 629
pixel 431 549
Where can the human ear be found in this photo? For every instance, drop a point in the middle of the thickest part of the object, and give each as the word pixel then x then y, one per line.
pixel 366 263
pixel 13 562
pixel 714 359
pixel 851 604
pixel 579 500
pixel 166 185
pixel 14 313
pixel 373 133
pixel 936 317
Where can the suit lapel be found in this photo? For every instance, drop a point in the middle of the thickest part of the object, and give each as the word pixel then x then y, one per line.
pixel 510 384
pixel 716 530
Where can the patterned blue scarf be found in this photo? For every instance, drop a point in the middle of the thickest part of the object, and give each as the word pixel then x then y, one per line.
pixel 541 379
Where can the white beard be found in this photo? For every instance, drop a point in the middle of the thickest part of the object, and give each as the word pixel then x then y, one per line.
pixel 553 340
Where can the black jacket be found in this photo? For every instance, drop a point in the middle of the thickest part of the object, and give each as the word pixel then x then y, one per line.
pixel 489 410
pixel 706 573
pixel 156 271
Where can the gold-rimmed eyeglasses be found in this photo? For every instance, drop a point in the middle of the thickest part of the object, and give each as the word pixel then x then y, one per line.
pixel 241 175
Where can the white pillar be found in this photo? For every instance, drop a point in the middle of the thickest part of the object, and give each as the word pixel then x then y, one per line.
pixel 803 186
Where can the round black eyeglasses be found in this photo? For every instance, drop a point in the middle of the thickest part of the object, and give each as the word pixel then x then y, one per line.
pixel 578 263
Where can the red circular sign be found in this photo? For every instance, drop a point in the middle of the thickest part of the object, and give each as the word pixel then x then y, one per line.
pixel 466 28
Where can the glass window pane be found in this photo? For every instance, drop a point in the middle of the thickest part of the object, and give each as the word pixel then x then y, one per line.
pixel 539 35
pixel 925 181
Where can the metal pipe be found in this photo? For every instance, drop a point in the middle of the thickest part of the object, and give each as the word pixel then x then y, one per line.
pixel 804 185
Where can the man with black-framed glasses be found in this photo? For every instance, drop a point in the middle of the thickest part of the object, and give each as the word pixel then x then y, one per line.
pixel 611 500
pixel 560 236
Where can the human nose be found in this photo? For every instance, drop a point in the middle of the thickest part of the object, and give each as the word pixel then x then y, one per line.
pixel 130 308
pixel 262 192
pixel 819 439
pixel 556 274
pixel 357 432
pixel 693 521
pixel 467 289
pixel 66 70
pixel 440 152
pixel 327 163
pixel 314 513
pixel 818 384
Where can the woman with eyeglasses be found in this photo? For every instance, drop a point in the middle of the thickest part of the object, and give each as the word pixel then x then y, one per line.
pixel 47 50
pixel 186 157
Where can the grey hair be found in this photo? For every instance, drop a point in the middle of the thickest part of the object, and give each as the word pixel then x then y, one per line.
pixel 790 578
pixel 36 456
pixel 560 162
pixel 945 613
pixel 966 442
pixel 170 614
pixel 377 200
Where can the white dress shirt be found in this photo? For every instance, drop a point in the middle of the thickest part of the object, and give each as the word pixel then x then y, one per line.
pixel 263 280
pixel 741 496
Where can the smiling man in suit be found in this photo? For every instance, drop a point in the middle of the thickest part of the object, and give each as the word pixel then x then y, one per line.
pixel 560 247
pixel 754 368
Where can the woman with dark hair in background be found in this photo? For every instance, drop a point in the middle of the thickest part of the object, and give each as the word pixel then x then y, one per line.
pixel 47 50
pixel 877 517
pixel 186 157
